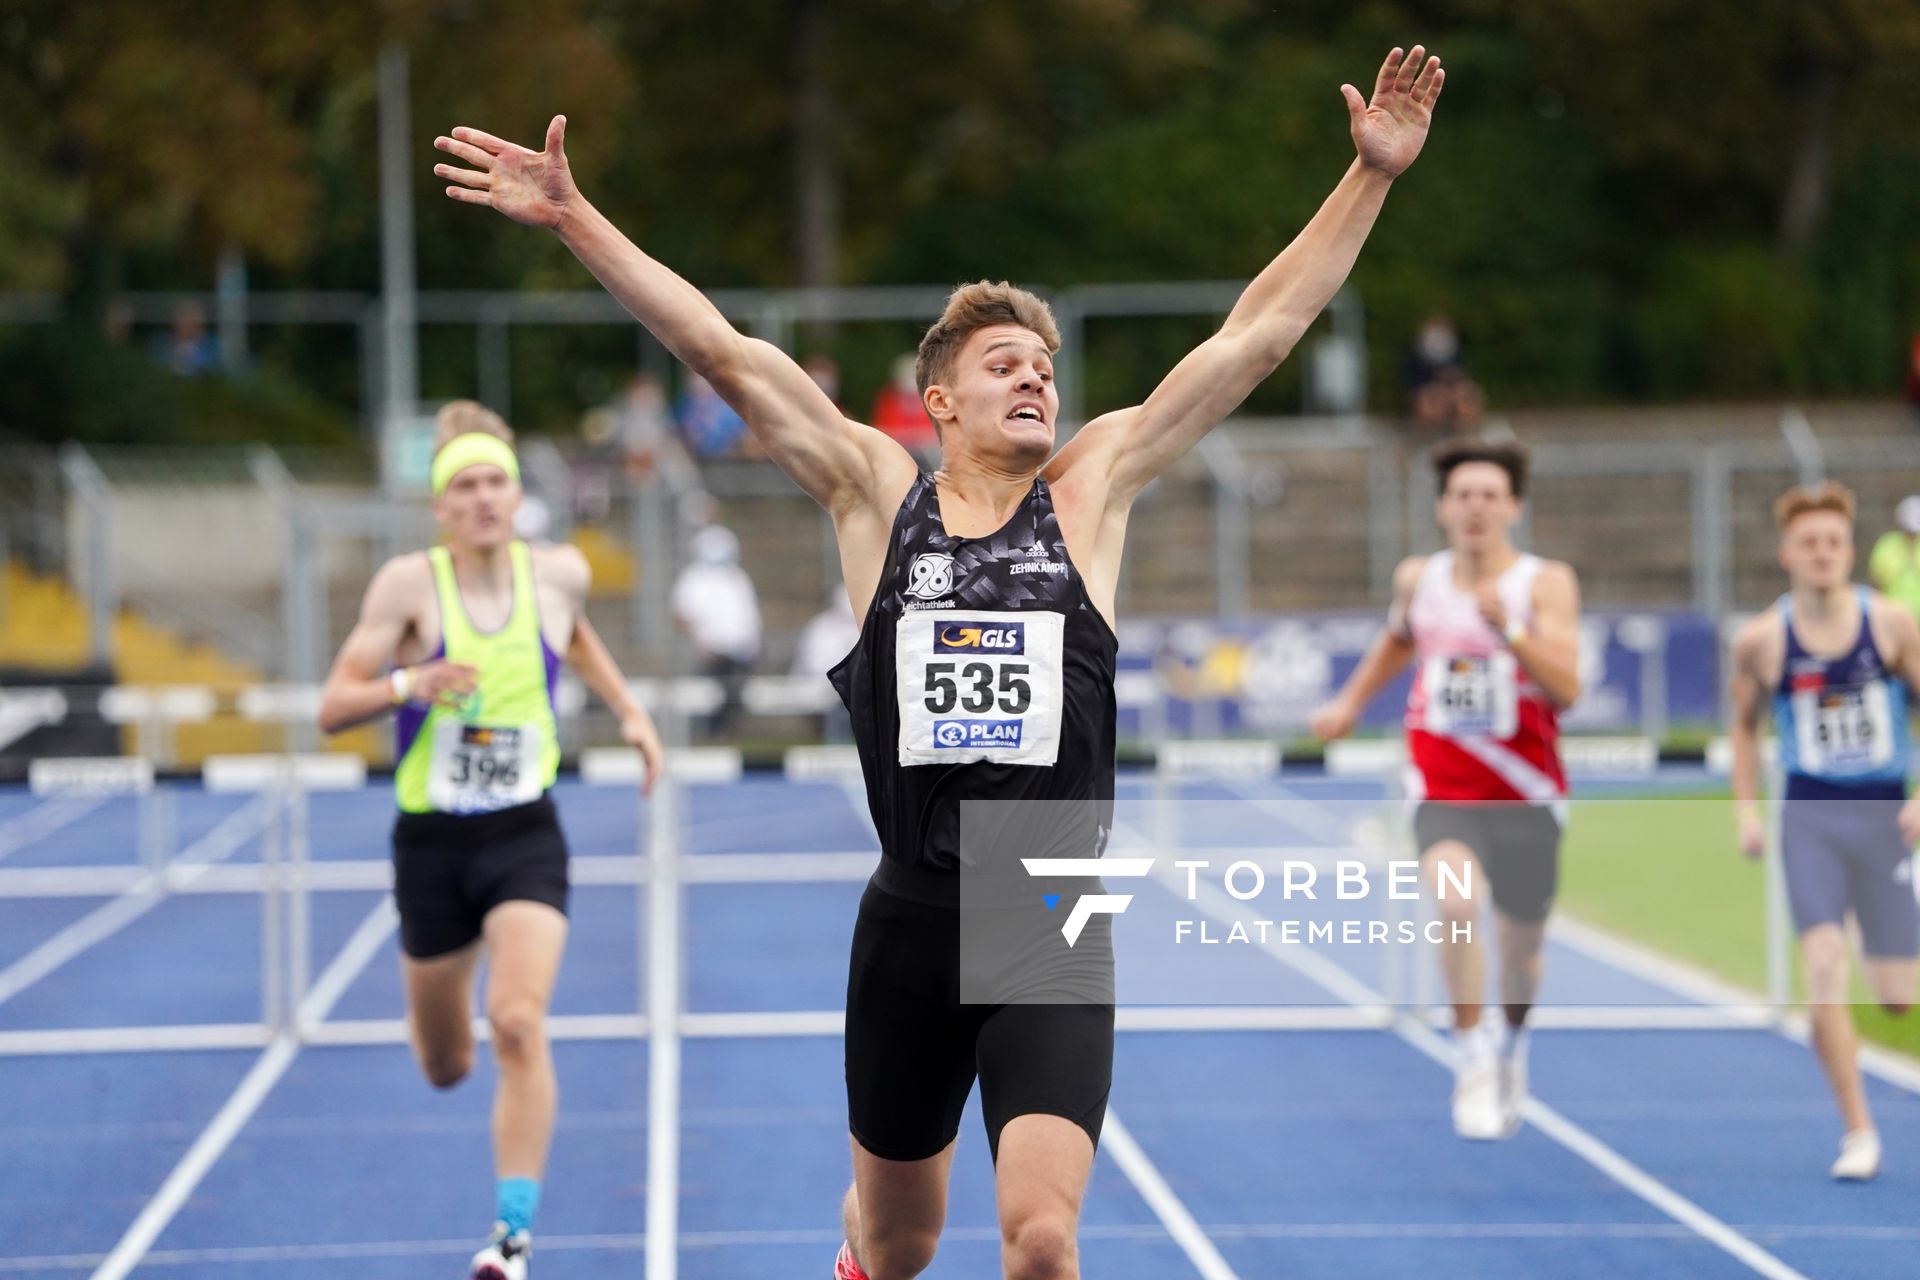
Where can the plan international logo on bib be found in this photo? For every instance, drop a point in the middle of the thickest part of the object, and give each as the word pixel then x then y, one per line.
pixel 975 733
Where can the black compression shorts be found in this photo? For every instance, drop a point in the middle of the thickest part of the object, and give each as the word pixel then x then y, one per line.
pixel 913 1050
pixel 450 870
pixel 1516 845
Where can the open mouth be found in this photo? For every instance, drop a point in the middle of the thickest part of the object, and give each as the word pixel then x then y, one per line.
pixel 1026 413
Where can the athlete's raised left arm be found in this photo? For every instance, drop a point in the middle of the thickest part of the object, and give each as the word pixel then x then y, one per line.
pixel 1549 648
pixel 1138 444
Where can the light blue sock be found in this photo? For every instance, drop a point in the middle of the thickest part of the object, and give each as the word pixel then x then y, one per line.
pixel 515 1201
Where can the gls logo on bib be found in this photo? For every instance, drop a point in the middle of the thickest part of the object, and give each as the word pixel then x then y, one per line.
pixel 955 638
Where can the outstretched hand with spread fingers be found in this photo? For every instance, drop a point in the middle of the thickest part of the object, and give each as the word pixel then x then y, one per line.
pixel 531 187
pixel 1389 131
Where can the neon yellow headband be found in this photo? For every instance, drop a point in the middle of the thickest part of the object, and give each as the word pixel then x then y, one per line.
pixel 470 450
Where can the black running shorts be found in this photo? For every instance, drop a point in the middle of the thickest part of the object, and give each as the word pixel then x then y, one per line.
pixel 1517 847
pixel 450 870
pixel 913 1050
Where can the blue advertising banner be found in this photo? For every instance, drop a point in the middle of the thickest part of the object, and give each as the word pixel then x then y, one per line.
pixel 1640 671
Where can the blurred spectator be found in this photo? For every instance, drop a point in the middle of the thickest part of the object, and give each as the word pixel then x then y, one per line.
pixel 828 637
pixel 532 519
pixel 1913 378
pixel 899 412
pixel 715 603
pixel 707 423
pixel 1894 565
pixel 1442 399
pixel 187 348
pixel 825 373
pixel 647 441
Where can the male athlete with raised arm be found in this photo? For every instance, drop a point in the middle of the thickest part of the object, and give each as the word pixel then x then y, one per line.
pixel 1007 541
pixel 1836 664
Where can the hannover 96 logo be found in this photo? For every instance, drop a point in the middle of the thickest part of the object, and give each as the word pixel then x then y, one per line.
pixel 930 576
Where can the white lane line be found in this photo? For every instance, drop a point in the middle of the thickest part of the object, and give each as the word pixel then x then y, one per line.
pixel 253 1089
pixel 1623 1171
pixel 1551 1123
pixel 145 894
pixel 1304 814
pixel 1118 1142
pixel 43 820
pixel 1694 984
pixel 1124 1231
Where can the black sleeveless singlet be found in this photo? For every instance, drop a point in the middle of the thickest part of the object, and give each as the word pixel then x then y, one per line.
pixel 983 672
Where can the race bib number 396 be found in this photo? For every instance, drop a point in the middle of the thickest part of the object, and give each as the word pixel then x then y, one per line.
pixel 979 686
pixel 480 768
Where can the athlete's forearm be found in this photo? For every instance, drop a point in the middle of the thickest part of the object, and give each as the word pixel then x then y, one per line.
pixel 675 312
pixel 1297 285
pixel 588 657
pixel 347 701
pixel 1386 658
pixel 1744 771
pixel 1552 664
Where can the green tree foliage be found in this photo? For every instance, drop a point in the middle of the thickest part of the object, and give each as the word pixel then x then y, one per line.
pixel 1622 198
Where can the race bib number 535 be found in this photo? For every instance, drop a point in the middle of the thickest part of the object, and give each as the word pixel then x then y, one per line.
pixel 979 686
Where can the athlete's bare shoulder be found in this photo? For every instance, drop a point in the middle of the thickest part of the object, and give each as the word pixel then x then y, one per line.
pixel 401 587
pixel 565 566
pixel 1406 574
pixel 1559 571
pixel 1759 644
pixel 1556 586
pixel 1896 632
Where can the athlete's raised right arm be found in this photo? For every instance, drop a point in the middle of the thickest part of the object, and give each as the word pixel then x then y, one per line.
pixel 1749 697
pixel 359 687
pixel 1392 649
pixel 839 463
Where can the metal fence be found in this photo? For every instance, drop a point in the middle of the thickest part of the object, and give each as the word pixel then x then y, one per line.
pixel 264 555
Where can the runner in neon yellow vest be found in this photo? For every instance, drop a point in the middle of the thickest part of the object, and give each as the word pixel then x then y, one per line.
pixel 463 643
pixel 1894 565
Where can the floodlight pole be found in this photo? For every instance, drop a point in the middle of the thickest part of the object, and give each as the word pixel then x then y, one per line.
pixel 399 315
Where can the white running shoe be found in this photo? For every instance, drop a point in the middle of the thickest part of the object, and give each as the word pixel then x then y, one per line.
pixel 1513 1083
pixel 504 1258
pixel 1476 1090
pixel 1859 1156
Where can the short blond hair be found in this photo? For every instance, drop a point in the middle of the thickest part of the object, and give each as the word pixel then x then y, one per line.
pixel 467 417
pixel 971 308
pixel 1828 495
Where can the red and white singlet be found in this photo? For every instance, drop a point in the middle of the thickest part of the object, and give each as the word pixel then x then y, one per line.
pixel 1478 727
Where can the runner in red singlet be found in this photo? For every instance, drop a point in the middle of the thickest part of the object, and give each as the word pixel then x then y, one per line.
pixel 1495 632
